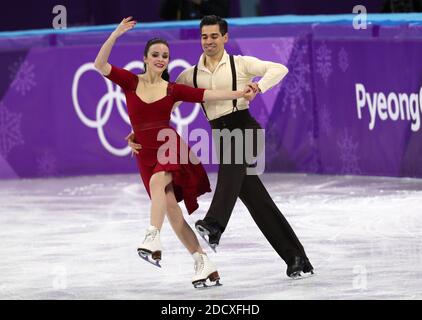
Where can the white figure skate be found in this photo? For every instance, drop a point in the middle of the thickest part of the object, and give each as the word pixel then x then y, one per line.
pixel 204 269
pixel 150 249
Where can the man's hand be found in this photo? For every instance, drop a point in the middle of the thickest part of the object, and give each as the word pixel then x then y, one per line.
pixel 132 144
pixel 248 93
pixel 254 86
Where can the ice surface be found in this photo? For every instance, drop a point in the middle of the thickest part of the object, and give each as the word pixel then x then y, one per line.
pixel 76 238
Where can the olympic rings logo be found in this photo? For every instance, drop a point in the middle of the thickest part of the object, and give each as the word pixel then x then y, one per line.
pixel 115 95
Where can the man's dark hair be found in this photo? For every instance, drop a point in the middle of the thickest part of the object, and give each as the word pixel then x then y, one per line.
pixel 213 20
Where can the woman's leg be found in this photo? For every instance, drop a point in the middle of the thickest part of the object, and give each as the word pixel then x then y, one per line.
pixel 157 186
pixel 204 267
pixel 175 216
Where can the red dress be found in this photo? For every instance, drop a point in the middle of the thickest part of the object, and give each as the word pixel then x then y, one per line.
pixel 147 119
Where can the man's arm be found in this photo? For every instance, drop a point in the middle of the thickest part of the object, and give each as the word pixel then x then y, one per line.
pixel 185 77
pixel 271 72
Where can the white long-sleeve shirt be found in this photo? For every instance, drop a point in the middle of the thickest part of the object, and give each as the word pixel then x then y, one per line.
pixel 247 68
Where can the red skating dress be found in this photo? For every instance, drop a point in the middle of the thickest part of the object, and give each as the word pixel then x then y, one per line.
pixel 147 119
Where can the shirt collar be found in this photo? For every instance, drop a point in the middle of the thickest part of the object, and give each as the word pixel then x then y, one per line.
pixel 201 65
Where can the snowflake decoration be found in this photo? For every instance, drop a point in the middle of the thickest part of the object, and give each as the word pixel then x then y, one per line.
pixel 283 54
pixel 10 130
pixel 47 164
pixel 297 80
pixel 343 60
pixel 326 121
pixel 323 62
pixel 348 156
pixel 22 75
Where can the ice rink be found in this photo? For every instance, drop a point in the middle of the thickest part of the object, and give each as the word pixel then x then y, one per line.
pixel 76 238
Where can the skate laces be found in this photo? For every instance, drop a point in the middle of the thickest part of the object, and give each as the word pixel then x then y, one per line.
pixel 199 265
pixel 150 236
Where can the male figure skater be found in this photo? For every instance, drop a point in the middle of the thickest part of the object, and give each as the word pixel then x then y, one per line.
pixel 216 69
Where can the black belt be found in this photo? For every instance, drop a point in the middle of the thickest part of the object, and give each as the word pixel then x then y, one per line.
pixel 233 119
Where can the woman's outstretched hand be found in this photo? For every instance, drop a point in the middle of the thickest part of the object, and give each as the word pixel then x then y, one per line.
pixel 125 25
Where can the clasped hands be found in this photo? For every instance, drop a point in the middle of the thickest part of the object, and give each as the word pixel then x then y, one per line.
pixel 250 91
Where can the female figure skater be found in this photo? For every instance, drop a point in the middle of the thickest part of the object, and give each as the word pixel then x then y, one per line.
pixel 150 99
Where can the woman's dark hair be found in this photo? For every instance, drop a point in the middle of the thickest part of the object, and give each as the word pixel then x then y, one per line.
pixel 213 20
pixel 165 75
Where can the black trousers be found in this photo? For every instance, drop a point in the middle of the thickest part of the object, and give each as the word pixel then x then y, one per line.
pixel 233 182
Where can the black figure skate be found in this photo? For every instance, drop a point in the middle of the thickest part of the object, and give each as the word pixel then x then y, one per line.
pixel 210 229
pixel 300 268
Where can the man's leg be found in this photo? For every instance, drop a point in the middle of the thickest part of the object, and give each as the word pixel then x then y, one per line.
pixel 272 223
pixel 229 181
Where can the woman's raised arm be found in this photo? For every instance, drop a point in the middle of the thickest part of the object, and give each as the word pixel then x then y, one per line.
pixel 101 61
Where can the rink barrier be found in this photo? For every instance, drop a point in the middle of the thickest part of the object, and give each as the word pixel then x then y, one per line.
pixel 315 121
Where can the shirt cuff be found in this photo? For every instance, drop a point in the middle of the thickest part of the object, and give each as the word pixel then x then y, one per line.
pixel 262 86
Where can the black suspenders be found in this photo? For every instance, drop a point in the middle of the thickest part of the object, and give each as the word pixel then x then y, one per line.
pixel 234 83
